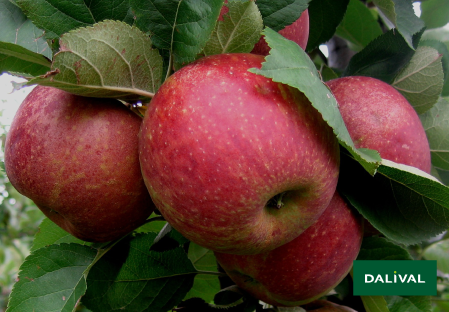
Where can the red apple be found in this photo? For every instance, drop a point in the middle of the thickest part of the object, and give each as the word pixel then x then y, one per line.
pixel 297 32
pixel 221 148
pixel 306 268
pixel 77 159
pixel 379 117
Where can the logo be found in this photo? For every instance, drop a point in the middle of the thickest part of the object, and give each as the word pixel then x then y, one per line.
pixel 395 278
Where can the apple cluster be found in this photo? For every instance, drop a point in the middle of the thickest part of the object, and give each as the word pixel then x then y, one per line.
pixel 234 161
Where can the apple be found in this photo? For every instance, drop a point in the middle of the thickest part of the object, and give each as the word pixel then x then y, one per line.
pixel 326 306
pixel 77 159
pixel 234 161
pixel 297 32
pixel 306 268
pixel 379 117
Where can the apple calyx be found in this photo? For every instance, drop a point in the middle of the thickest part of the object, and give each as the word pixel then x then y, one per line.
pixel 276 201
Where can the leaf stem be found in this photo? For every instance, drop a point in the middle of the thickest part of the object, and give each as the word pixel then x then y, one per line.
pixel 170 65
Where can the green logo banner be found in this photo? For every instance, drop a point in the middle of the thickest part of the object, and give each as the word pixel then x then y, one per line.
pixel 395 278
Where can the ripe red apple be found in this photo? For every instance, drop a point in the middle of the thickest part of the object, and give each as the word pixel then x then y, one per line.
pixel 306 268
pixel 221 148
pixel 379 117
pixel 297 32
pixel 77 159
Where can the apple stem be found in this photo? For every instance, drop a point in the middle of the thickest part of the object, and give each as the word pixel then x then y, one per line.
pixel 279 203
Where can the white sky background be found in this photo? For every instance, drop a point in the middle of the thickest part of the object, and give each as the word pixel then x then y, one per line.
pixel 10 100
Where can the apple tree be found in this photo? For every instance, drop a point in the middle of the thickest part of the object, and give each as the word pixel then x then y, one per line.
pixel 127 50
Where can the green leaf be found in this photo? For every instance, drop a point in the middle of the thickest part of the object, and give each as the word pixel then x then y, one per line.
pixel 408 303
pixel 374 304
pixel 327 73
pixel 405 204
pixel 168 238
pixel 131 277
pixel 401 14
pixel 17 59
pixel 379 248
pixel 238 32
pixel 436 125
pixel 181 26
pixel 435 13
pixel 324 17
pixel 17 29
pixel 110 59
pixel 439 251
pixel 383 58
pixel 358 25
pixel 289 64
pixel 205 285
pixel 59 17
pixel 49 234
pixel 429 38
pixel 278 14
pixel 52 279
pixel 154 226
pixel 444 51
pixel 421 81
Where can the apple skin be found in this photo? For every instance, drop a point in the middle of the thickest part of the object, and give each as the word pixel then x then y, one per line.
pixel 77 159
pixel 306 268
pixel 298 32
pixel 379 117
pixel 218 142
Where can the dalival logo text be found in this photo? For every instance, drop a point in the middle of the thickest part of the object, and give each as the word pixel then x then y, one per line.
pixel 395 278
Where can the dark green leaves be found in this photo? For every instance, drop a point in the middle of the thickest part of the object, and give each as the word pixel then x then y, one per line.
pixel 52 279
pixel 181 26
pixel 18 60
pixel 58 17
pixel 132 278
pixel 278 14
pixel 358 26
pixel 402 16
pixel 289 64
pixel 405 204
pixel 383 58
pixel 378 248
pixel 324 17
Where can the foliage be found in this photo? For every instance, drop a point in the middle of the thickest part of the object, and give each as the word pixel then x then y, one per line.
pixel 72 44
